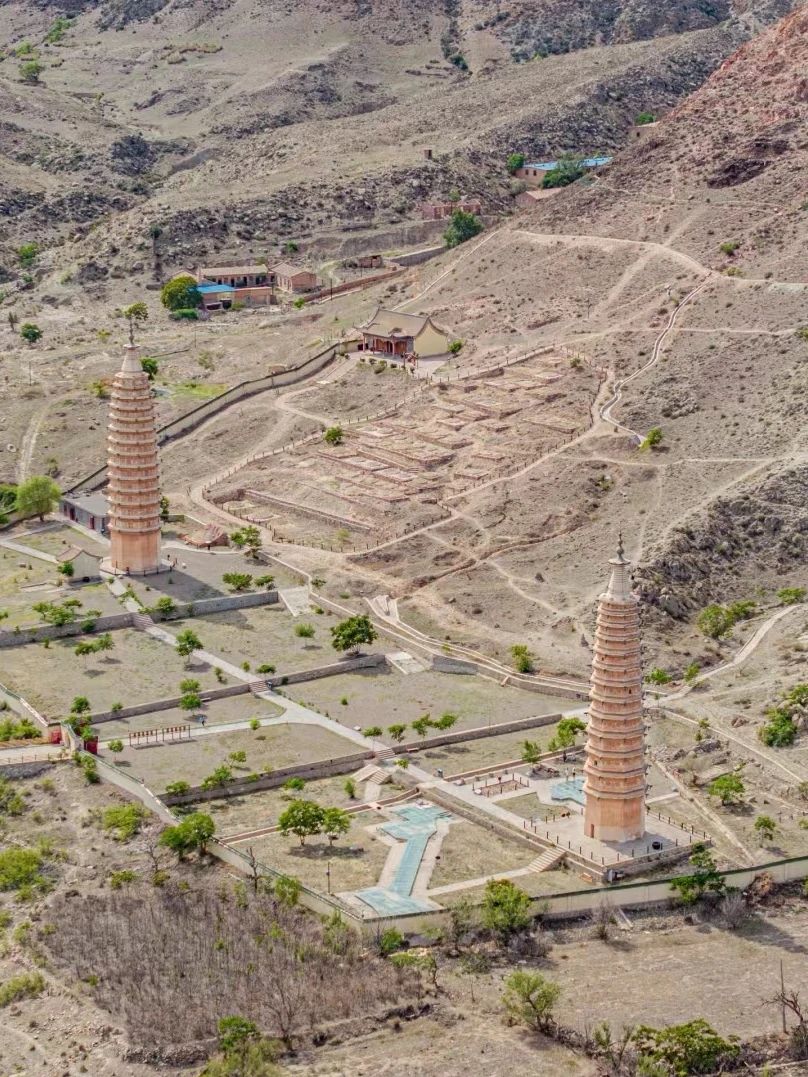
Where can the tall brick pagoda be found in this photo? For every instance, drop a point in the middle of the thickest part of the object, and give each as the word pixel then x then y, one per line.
pixel 133 489
pixel 614 785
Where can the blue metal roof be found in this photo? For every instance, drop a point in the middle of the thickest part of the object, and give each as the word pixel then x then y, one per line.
pixel 548 166
pixel 207 288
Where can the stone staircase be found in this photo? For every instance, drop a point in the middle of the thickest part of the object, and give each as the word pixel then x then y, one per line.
pixel 257 686
pixel 548 860
pixel 384 753
pixel 142 622
pixel 372 773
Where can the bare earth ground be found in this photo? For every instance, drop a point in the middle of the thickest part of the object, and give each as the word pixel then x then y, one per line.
pixel 385 698
pixel 268 748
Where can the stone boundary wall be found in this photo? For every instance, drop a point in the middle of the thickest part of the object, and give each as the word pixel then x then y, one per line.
pixel 114 621
pixel 324 769
pixel 166 704
pixel 347 665
pixel 41 632
pixel 443 664
pixel 356 285
pixel 415 258
pixel 219 605
pixel 25 770
pixel 193 418
pixel 516 726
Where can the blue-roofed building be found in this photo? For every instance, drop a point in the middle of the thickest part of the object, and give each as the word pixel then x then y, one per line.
pixel 535 171
pixel 216 296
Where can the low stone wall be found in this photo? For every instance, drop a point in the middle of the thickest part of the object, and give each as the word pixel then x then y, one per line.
pixel 481 731
pixel 441 663
pixel 41 632
pixel 480 818
pixel 167 704
pixel 219 605
pixel 414 258
pixel 347 665
pixel 324 769
pixel 25 770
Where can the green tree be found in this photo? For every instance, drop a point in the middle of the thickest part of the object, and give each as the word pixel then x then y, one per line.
pixel 372 731
pixel 567 731
pixel 135 314
pixel 397 731
pixel 247 538
pixel 531 752
pixel 652 439
pixel 27 255
pixel 181 293
pixel 568 168
pixel 80 705
pixel 728 788
pixel 522 658
pixel 30 332
pixel 65 568
pixel 349 635
pixel 530 999
pixel 220 776
pixel 37 496
pixel 704 882
pixel 505 909
pixel 187 643
pixel 658 676
pixel 303 818
pixel 422 725
pixel 150 367
pixel 194 832
pixel 446 721
pixel 334 435
pixel 515 162
pixel 335 821
pixel 165 605
pixel 115 746
pixel 462 227
pixel 765 827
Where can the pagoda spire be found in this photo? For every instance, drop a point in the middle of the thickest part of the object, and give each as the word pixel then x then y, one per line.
pixel 133 489
pixel 614 785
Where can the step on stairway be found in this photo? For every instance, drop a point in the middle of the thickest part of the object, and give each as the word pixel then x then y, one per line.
pixel 258 686
pixel 548 860
pixel 372 773
pixel 142 621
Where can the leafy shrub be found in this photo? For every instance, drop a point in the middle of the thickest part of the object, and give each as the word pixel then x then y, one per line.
pixel 118 879
pixel 515 162
pixel 125 820
pixel 26 985
pixel 644 118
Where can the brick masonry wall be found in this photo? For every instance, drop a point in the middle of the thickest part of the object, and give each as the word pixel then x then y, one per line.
pixel 323 769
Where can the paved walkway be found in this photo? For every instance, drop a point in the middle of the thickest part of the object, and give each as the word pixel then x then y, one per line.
pixel 28 551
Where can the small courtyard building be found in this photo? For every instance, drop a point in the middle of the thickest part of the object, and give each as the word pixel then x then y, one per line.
pixel 289 278
pixel 89 509
pixel 86 565
pixel 236 276
pixel 390 333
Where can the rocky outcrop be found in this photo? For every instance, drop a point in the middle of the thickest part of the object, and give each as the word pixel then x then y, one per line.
pixel 759 534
